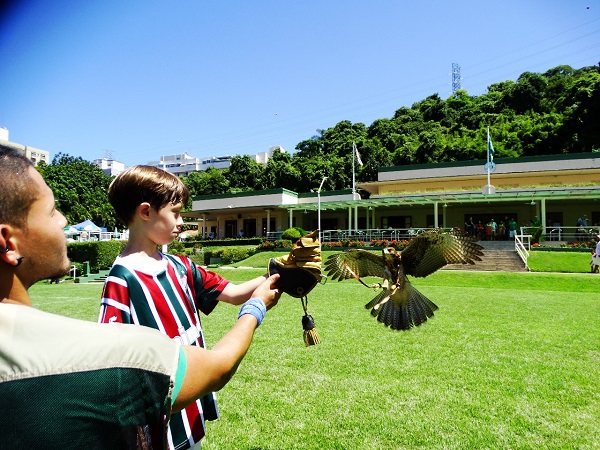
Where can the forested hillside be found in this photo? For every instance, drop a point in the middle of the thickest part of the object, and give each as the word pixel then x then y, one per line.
pixel 554 112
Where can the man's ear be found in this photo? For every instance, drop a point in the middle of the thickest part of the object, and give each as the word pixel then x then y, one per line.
pixel 8 245
pixel 143 211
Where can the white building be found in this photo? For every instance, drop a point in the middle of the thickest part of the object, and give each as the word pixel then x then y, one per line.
pixel 34 154
pixel 110 166
pixel 180 165
pixel 183 164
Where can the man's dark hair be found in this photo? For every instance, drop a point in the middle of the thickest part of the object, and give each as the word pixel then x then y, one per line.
pixel 16 192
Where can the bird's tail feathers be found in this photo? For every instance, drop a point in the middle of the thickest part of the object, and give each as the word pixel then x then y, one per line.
pixel 402 315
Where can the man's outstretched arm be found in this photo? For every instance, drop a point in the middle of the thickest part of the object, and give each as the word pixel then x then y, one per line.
pixel 210 370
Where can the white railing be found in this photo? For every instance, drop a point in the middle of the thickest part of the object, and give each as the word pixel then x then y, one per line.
pixel 565 234
pixel 367 235
pixel 98 236
pixel 522 247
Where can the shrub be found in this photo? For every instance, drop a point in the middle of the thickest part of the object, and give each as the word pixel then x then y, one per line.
pixel 100 254
pixel 176 248
pixel 293 234
pixel 228 255
pixel 270 245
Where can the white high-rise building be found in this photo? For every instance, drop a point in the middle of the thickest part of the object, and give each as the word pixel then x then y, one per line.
pixel 183 164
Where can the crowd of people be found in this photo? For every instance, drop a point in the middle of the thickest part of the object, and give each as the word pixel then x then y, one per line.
pixel 491 230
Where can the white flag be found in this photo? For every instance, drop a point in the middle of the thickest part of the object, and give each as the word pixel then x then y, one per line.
pixel 357 155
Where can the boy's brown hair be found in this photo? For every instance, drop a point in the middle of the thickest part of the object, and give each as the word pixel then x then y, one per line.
pixel 140 184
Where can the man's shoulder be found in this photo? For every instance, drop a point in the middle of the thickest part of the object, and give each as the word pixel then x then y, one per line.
pixel 51 336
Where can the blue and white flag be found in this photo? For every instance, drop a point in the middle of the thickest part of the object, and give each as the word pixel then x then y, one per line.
pixel 490 148
pixel 356 154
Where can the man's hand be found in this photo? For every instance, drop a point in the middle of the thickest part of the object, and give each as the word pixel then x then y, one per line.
pixel 268 292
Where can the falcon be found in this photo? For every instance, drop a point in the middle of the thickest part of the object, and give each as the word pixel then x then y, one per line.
pixel 399 305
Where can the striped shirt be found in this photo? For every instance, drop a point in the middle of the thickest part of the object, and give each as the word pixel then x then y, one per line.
pixel 168 299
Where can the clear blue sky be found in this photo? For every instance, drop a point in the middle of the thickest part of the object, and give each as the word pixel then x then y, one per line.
pixel 145 78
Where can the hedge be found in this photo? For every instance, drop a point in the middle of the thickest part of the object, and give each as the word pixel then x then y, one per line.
pixel 100 254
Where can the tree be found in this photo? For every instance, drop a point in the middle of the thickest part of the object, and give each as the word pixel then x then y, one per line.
pixel 245 173
pixel 208 182
pixel 80 190
pixel 281 173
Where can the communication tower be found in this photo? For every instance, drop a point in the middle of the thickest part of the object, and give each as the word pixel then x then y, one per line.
pixel 456 79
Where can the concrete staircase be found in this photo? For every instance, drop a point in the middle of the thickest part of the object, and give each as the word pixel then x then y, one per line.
pixel 499 256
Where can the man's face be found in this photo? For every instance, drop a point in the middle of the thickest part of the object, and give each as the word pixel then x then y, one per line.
pixel 43 244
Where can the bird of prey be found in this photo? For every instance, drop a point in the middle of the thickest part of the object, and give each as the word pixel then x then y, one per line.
pixel 399 305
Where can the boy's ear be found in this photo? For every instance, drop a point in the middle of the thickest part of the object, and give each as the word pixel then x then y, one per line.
pixel 143 211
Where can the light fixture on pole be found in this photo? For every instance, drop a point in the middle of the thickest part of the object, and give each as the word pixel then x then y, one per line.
pixel 319 209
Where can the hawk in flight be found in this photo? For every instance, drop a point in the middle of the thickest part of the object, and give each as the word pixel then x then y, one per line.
pixel 399 305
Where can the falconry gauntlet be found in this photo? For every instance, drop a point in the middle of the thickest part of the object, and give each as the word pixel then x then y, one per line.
pixel 300 270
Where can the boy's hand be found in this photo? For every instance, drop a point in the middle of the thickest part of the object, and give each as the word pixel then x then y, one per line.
pixel 268 292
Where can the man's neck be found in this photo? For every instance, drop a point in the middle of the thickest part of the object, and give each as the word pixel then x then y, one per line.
pixel 9 301
pixel 13 291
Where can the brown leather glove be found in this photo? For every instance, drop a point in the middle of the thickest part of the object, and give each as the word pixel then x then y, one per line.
pixel 300 270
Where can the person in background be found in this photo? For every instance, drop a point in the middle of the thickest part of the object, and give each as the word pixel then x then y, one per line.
pixel 166 292
pixel 470 227
pixel 596 256
pixel 70 384
pixel 512 228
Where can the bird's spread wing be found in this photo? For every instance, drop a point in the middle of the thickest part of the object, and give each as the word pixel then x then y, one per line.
pixel 430 251
pixel 353 264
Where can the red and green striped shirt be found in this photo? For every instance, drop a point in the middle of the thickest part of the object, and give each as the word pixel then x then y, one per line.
pixel 167 299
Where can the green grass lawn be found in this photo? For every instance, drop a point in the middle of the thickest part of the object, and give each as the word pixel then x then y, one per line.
pixel 510 360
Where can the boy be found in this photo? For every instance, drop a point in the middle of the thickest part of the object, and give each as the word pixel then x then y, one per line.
pixel 147 287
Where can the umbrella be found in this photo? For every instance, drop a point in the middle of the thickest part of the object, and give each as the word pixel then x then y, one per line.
pixel 70 231
pixel 87 225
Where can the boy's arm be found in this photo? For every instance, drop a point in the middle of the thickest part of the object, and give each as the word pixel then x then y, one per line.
pixel 236 294
pixel 114 305
pixel 210 370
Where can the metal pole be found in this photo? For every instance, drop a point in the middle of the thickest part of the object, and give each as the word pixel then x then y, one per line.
pixel 319 209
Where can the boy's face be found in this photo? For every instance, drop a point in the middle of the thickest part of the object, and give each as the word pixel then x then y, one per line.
pixel 166 223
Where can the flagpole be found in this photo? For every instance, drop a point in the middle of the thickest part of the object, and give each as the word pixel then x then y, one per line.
pixel 488 156
pixel 488 188
pixel 353 177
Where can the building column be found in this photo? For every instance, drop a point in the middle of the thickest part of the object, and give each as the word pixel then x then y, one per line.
pixel 349 218
pixel 291 218
pixel 543 214
pixel 268 221
pixel 435 215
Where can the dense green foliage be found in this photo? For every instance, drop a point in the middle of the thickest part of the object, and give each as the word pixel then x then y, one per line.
pixel 79 190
